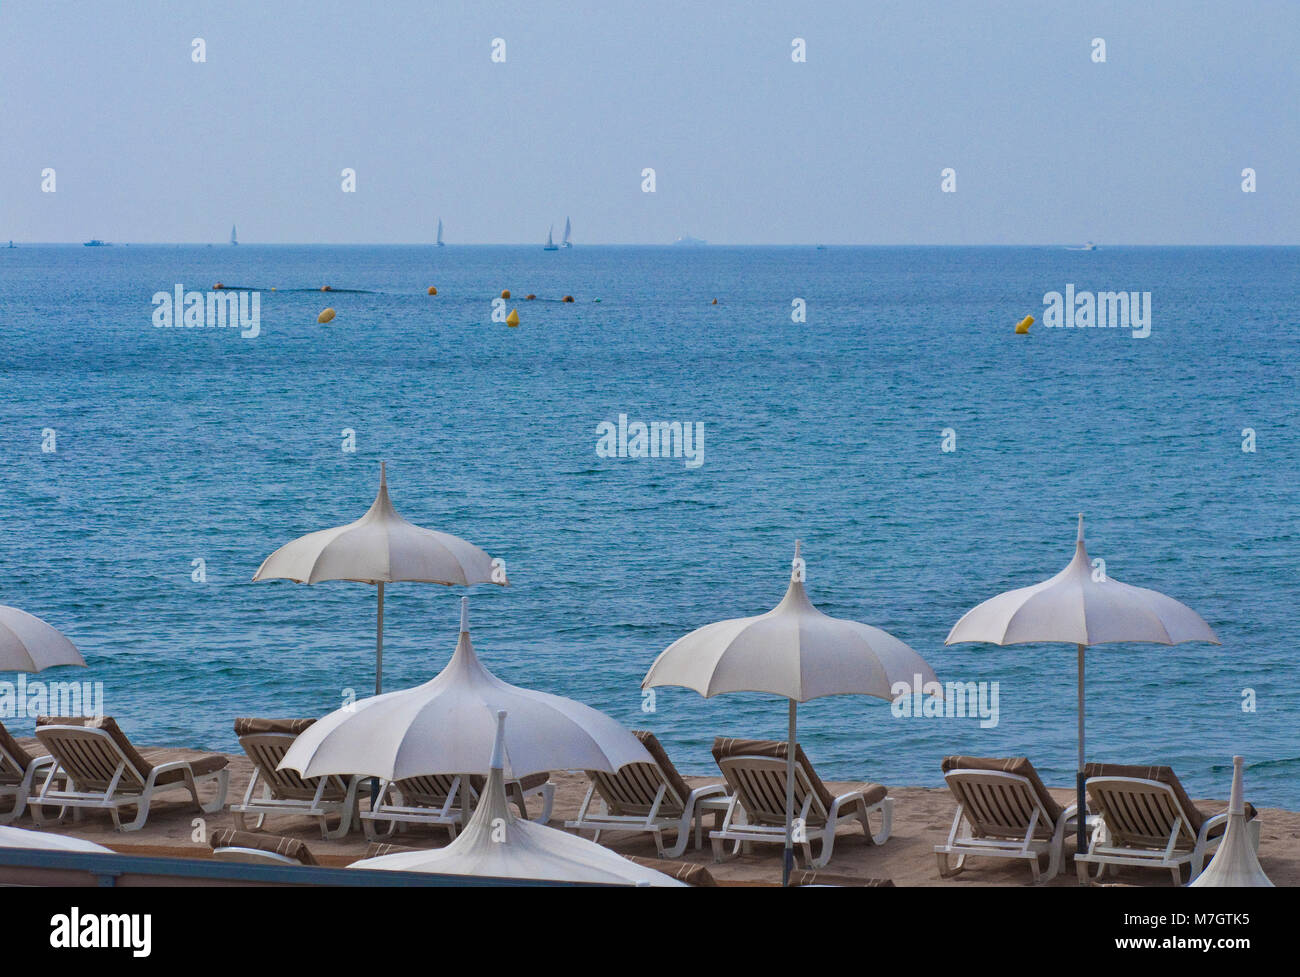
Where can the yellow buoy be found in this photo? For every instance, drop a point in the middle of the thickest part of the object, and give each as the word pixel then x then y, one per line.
pixel 567 298
pixel 1022 327
pixel 432 290
pixel 715 301
pixel 218 287
pixel 512 319
pixel 505 293
pixel 326 315
pixel 529 297
pixel 326 288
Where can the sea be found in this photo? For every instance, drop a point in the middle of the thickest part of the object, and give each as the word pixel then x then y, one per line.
pixel 874 403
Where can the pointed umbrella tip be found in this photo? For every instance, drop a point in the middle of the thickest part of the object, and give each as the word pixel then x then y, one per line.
pixel 1237 799
pixel 464 614
pixel 383 473
pixel 499 747
pixel 1079 538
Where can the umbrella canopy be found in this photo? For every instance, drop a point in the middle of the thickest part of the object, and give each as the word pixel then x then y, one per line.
pixel 447 726
pixel 1082 607
pixel 45 841
pixel 28 644
pixel 497 844
pixel 381 547
pixel 795 651
pixel 1235 864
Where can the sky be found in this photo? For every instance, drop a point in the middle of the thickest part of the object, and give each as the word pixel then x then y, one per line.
pixel 748 146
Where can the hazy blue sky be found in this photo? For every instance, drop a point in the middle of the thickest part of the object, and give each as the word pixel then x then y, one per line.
pixel 749 147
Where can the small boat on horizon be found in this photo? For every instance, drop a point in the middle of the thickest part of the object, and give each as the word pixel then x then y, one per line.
pixel 687 241
pixel 438 242
pixel 95 242
pixel 566 243
pixel 550 240
pixel 1087 246
pixel 234 241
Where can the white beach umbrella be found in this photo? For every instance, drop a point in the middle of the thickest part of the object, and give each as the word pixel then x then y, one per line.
pixel 497 844
pixel 447 726
pixel 795 651
pixel 28 644
pixel 1082 606
pixel 1235 864
pixel 381 547
pixel 45 841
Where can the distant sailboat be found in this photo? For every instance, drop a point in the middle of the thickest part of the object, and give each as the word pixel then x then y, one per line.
pixel 1088 246
pixel 550 240
pixel 439 241
pixel 566 243
pixel 233 239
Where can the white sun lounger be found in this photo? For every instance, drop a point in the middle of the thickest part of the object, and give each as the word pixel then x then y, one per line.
pixel 646 797
pixel 284 792
pixel 1003 811
pixel 97 768
pixel 18 773
pixel 1147 820
pixel 755 771
pixel 435 800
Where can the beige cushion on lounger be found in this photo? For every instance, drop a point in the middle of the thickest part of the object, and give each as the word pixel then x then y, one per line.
pixel 726 746
pixel 1196 818
pixel 275 844
pixel 377 849
pixel 817 877
pixel 249 726
pixel 199 766
pixel 1017 765
pixel 696 876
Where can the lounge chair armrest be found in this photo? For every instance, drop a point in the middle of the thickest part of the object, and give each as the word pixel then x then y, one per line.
pixel 1212 823
pixel 709 790
pixel 162 768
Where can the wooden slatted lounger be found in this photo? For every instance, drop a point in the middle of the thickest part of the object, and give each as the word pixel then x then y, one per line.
pixel 18 773
pixel 646 797
pixel 755 773
pixel 98 768
pixel 1003 811
pixel 1147 820
pixel 284 792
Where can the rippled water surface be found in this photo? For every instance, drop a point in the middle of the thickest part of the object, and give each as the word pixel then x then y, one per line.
pixel 177 445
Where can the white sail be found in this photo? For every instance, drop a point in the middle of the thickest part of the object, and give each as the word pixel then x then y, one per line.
pixel 567 229
pixel 550 240
pixel 440 244
pixel 233 238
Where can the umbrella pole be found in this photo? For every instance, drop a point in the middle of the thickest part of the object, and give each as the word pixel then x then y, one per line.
pixel 379 669
pixel 379 642
pixel 787 863
pixel 1081 810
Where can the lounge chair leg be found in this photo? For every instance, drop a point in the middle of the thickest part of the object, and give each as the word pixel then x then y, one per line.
pixel 218 802
pixel 1034 870
pixel 679 845
pixel 948 870
pixel 548 802
pixel 887 823
pixel 1053 864
pixel 1081 870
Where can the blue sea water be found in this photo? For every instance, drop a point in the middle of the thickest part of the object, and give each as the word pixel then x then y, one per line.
pixel 175 445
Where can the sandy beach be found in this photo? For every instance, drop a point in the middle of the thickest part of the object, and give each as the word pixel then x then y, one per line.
pixel 922 818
